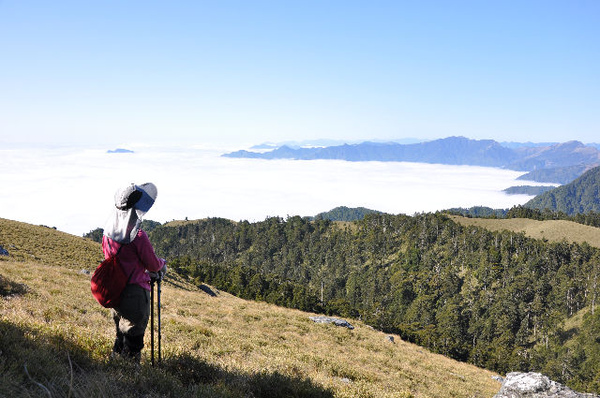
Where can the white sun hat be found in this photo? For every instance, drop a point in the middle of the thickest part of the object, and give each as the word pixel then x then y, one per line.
pixel 132 202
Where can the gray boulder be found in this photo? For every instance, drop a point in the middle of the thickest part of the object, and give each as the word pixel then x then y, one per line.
pixel 535 385
pixel 335 321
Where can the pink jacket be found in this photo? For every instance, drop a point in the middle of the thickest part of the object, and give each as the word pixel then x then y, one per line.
pixel 135 258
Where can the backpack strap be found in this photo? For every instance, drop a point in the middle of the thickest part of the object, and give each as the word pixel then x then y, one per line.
pixel 118 250
pixel 117 253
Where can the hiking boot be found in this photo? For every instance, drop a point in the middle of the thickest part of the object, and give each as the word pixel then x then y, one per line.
pixel 132 347
pixel 119 343
pixel 134 356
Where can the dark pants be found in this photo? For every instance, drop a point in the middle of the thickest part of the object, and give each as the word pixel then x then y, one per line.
pixel 131 320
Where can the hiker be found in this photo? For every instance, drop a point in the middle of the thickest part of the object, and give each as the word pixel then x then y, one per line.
pixel 123 235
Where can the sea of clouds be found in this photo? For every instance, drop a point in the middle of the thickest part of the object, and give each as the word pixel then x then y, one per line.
pixel 72 188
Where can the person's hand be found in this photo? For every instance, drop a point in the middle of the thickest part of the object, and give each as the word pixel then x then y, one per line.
pixel 160 274
pixel 163 270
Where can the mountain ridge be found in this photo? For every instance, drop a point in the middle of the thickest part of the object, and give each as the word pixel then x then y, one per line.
pixel 454 150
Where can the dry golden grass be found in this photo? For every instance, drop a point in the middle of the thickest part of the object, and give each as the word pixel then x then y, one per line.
pixel 551 230
pixel 239 334
pixel 236 347
pixel 47 246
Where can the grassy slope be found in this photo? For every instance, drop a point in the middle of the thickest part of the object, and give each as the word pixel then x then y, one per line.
pixel 552 230
pixel 54 336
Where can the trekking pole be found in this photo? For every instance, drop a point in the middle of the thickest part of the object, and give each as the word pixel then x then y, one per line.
pixel 159 335
pixel 152 321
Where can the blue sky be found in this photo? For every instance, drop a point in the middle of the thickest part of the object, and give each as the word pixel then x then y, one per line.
pixel 107 72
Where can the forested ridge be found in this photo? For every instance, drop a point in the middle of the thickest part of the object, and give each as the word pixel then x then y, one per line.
pixel 499 300
pixel 578 197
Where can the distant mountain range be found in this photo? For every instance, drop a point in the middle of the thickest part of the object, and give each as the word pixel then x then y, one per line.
pixel 557 163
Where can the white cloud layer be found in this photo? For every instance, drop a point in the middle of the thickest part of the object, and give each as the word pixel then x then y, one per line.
pixel 72 188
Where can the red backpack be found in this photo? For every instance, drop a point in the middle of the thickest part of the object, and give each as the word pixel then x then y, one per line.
pixel 108 281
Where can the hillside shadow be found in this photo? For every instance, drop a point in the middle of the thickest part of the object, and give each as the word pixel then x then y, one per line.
pixel 175 284
pixel 260 385
pixel 566 335
pixel 206 289
pixel 33 363
pixel 9 288
pixel 202 287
